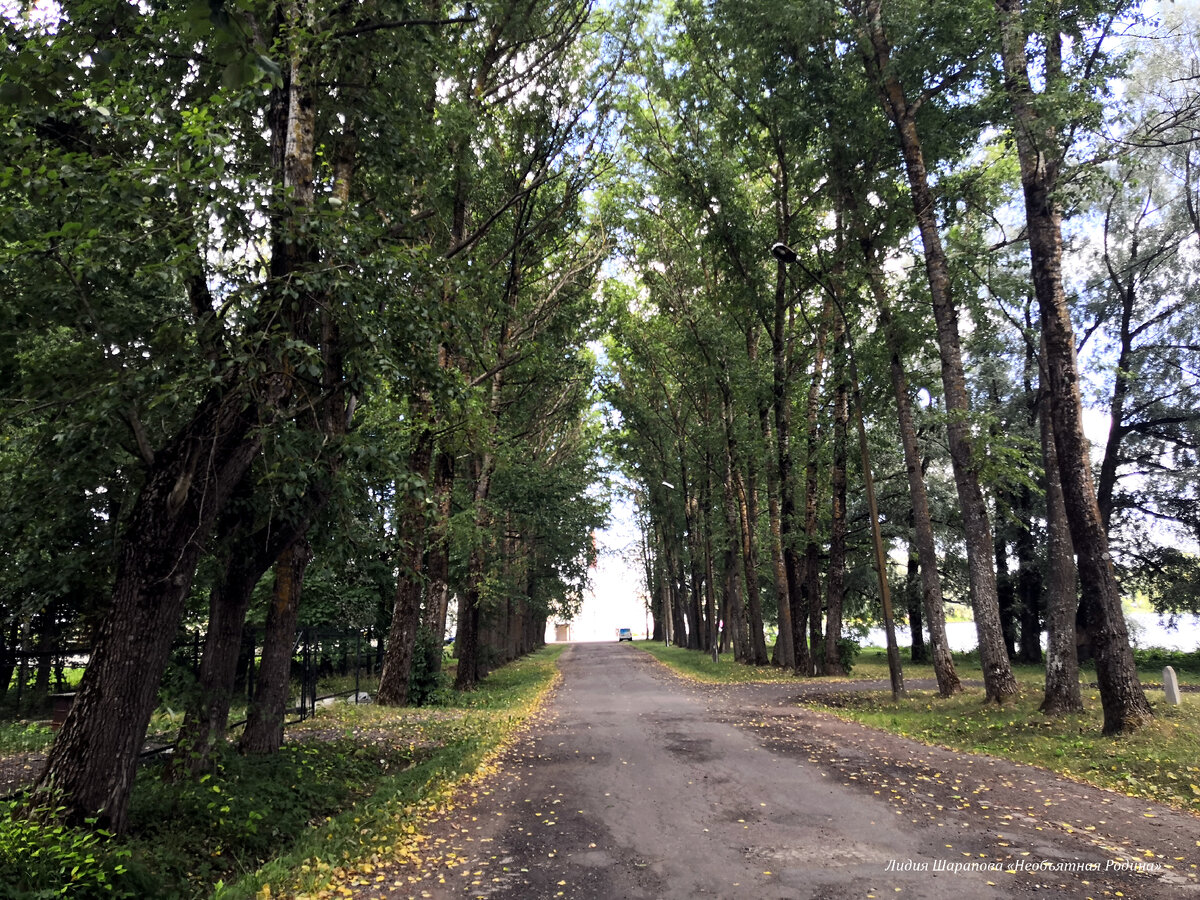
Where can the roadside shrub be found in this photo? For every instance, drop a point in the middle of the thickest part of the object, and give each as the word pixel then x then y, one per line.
pixel 41 858
pixel 848 650
pixel 427 683
pixel 1157 658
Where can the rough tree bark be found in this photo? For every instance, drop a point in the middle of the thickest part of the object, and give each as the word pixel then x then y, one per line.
pixel 438 568
pixel 931 585
pixel 918 652
pixel 808 612
pixel 1039 150
pixel 91 765
pixel 264 723
pixel 999 683
pixel 1062 693
pixel 836 580
pixel 788 524
pixel 406 610
pixel 205 722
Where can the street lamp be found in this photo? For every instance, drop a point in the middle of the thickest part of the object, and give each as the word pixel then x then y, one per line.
pixel 787 256
pixel 784 253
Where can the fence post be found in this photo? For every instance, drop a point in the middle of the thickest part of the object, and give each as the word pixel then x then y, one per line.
pixel 357 662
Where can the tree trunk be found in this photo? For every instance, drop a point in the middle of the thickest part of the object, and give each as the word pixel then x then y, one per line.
pixel 1122 376
pixel 248 556
pixel 438 606
pixel 918 652
pixel 931 586
pixel 205 723
pixel 697 636
pixel 748 519
pixel 92 762
pixel 470 669
pixel 680 603
pixel 734 607
pixel 1062 662
pixel 264 724
pixel 1006 595
pixel 406 611
pixel 710 586
pixel 8 657
pixel 783 653
pixel 1029 582
pixel 836 580
pixel 471 666
pixel 810 583
pixel 738 617
pixel 789 526
pixel 1038 149
pixel 999 683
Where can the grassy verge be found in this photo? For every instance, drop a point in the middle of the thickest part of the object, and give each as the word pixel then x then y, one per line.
pixel 348 790
pixel 871 664
pixel 1160 762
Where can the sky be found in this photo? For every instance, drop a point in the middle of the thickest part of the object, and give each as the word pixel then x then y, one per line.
pixel 615 597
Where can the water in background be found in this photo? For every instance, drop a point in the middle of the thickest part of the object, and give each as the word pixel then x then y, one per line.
pixel 1147 630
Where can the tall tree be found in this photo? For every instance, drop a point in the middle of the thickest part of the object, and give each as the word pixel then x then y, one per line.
pixel 1040 144
pixel 902 109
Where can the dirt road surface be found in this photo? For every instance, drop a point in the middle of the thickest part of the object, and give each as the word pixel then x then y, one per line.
pixel 635 783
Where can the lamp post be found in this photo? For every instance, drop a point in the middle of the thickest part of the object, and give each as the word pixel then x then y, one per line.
pixel 787 256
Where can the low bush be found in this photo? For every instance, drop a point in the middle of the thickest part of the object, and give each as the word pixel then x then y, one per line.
pixel 1158 658
pixel 23 737
pixel 41 858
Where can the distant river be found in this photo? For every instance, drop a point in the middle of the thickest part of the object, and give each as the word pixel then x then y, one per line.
pixel 1148 631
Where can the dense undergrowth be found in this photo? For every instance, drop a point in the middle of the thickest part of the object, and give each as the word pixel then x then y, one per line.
pixel 348 787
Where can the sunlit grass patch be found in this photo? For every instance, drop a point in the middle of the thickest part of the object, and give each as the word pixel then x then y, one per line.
pixel 870 665
pixel 23 737
pixel 699 666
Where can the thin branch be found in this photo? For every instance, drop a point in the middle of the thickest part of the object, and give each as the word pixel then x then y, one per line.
pixel 403 23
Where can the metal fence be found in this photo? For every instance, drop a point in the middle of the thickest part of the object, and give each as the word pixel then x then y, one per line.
pixel 41 677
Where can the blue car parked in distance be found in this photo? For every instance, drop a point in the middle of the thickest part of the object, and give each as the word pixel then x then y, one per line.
pixel 624 634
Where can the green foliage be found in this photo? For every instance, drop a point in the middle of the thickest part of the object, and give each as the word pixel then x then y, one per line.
pixel 41 858
pixel 456 738
pixel 1152 660
pixel 237 817
pixel 427 683
pixel 345 786
pixel 848 650
pixel 21 737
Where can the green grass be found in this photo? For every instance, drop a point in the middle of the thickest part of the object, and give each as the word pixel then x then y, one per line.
pixel 698 665
pixel 1160 762
pixel 350 787
pixel 22 737
pixel 446 742
pixel 870 665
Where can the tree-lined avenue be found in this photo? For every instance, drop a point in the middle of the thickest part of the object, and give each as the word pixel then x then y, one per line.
pixel 635 783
